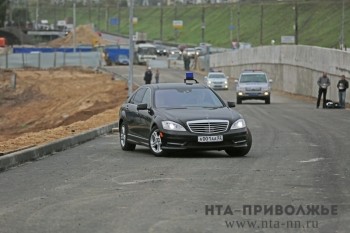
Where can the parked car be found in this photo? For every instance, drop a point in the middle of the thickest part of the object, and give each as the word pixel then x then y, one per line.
pixel 177 116
pixel 122 59
pixel 216 80
pixel 253 84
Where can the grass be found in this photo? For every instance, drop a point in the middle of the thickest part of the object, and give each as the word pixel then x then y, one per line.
pixel 319 22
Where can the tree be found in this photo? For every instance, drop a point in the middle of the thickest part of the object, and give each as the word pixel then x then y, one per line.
pixel 3 7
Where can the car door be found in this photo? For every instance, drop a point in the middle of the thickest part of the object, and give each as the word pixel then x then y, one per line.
pixel 145 119
pixel 132 114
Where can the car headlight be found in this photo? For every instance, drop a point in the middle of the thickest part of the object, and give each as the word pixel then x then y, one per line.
pixel 239 124
pixel 170 125
pixel 225 81
pixel 209 82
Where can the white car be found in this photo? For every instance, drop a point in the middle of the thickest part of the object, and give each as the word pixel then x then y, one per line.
pixel 216 80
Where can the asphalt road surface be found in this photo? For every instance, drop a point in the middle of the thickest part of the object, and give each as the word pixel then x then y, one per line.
pixel 295 179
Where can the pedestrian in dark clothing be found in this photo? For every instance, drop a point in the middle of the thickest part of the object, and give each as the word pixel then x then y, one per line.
pixel 342 85
pixel 323 83
pixel 157 76
pixel 148 76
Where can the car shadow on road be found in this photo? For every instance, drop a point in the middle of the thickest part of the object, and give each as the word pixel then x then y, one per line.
pixel 189 154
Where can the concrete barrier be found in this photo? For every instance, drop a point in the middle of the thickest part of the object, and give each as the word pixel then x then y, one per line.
pixel 293 68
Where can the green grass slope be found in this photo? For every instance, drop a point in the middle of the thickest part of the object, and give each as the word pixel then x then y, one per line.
pixel 319 22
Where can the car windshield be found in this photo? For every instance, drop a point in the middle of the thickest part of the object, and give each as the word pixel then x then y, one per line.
pixel 183 98
pixel 253 78
pixel 216 76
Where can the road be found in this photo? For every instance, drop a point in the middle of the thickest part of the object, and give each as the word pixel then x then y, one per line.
pixel 297 169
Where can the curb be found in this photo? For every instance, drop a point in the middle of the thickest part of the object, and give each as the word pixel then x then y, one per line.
pixel 34 153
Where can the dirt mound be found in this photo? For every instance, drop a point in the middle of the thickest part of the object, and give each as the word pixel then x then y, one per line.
pixel 85 35
pixel 51 104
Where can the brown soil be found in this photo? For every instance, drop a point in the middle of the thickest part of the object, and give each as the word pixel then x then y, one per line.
pixel 50 104
pixel 85 35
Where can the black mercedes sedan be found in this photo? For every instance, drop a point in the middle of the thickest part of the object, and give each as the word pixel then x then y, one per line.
pixel 181 116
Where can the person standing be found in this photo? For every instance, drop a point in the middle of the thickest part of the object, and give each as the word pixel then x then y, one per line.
pixel 342 85
pixel 148 76
pixel 323 83
pixel 157 76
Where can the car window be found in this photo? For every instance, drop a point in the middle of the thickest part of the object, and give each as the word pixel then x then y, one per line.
pixel 248 78
pixel 147 97
pixel 138 96
pixel 183 98
pixel 216 76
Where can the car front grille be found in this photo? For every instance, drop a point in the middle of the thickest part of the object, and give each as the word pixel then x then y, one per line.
pixel 253 88
pixel 208 126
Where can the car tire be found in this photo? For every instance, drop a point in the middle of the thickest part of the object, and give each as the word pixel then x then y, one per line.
pixel 155 143
pixel 267 100
pixel 240 152
pixel 123 137
pixel 239 100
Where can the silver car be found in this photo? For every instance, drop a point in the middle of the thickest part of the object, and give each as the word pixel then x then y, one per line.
pixel 216 80
pixel 253 85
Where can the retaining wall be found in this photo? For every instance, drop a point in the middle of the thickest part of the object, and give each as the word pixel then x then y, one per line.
pixel 293 68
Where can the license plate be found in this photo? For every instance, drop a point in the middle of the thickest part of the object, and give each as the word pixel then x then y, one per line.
pixel 216 138
pixel 253 94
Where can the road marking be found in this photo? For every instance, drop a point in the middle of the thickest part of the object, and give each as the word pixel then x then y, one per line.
pixel 311 160
pixel 149 180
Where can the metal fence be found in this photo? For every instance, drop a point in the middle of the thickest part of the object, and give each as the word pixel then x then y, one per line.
pixel 51 60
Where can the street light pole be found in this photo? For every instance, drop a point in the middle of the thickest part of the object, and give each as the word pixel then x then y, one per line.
pixel 131 46
pixel 261 22
pixel 296 22
pixel 74 25
pixel 161 20
pixel 342 27
pixel 203 23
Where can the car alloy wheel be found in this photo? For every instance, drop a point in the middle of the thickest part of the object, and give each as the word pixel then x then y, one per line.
pixel 155 142
pixel 123 135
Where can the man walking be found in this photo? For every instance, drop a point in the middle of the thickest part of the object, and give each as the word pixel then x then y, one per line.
pixel 323 83
pixel 342 85
pixel 157 76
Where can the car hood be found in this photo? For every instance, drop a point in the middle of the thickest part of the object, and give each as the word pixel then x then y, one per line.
pixel 253 84
pixel 189 114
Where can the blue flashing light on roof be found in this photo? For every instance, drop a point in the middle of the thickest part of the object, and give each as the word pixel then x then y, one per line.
pixel 189 76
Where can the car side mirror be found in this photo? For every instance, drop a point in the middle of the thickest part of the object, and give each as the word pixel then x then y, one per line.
pixel 231 104
pixel 270 81
pixel 236 81
pixel 142 106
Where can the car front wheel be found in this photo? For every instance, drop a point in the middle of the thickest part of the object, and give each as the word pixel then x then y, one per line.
pixel 239 152
pixel 155 142
pixel 123 135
